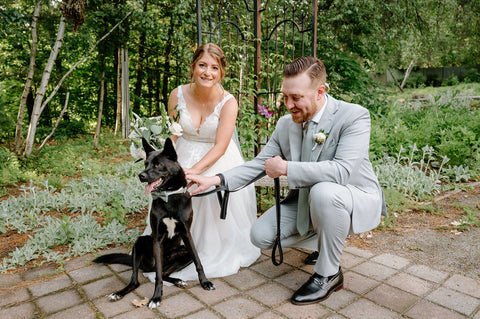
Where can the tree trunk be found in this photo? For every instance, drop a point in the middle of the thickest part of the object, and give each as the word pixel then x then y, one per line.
pixel 157 88
pixel 139 75
pixel 150 74
pixel 119 91
pixel 125 95
pixel 37 106
pixel 28 84
pixel 395 79
pixel 81 60
pixel 407 74
pixel 100 102
pixel 166 72
pixel 56 124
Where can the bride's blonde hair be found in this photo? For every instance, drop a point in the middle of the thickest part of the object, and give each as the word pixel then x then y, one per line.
pixel 215 51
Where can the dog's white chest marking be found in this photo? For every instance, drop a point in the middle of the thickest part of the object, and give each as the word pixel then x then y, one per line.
pixel 170 223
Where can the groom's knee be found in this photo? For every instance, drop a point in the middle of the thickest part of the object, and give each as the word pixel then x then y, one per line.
pixel 327 195
pixel 259 237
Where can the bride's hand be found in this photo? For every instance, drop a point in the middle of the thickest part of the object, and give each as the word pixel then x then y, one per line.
pixel 203 182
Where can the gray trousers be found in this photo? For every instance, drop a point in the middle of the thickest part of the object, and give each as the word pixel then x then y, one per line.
pixel 331 207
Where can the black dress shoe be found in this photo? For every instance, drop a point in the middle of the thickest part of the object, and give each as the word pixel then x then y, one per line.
pixel 318 288
pixel 312 258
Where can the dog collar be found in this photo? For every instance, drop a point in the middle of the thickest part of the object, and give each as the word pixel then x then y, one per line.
pixel 163 195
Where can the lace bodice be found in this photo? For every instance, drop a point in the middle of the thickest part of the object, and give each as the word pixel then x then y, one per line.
pixel 208 129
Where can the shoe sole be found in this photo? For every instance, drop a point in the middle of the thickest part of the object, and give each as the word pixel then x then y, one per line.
pixel 318 300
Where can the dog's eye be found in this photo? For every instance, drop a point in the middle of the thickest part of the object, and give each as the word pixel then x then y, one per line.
pixel 159 166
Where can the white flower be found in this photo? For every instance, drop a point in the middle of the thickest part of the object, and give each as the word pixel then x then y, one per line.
pixel 320 137
pixel 157 140
pixel 176 129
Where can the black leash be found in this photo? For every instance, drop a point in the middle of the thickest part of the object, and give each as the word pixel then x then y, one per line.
pixel 223 201
pixel 223 193
pixel 277 244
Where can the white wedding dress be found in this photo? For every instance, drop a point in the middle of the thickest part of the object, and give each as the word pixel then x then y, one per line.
pixel 223 245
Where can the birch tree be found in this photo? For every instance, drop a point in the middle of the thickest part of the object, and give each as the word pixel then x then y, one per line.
pixel 28 84
pixel 38 107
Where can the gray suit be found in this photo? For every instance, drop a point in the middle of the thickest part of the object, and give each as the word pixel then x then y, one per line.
pixel 340 173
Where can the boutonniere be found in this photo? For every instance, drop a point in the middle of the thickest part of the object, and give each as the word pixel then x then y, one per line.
pixel 319 138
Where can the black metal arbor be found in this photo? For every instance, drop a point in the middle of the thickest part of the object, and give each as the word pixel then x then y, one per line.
pixel 258 42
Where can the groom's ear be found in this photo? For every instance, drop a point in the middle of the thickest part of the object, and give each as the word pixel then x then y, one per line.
pixel 321 90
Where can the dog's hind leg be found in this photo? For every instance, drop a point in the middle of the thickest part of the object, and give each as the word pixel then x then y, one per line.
pixel 188 241
pixel 177 260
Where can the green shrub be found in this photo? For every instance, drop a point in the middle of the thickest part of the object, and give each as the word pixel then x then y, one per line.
pixel 472 75
pixel 452 80
pixel 65 129
pixel 416 80
pixel 347 78
pixel 10 171
pixel 450 127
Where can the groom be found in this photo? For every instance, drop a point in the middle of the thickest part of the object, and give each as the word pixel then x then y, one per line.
pixel 322 147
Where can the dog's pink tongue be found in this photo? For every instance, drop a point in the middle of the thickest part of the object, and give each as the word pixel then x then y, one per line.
pixel 149 187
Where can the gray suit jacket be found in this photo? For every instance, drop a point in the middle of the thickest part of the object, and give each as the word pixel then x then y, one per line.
pixel 342 159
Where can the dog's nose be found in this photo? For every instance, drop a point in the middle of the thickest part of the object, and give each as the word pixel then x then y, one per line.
pixel 142 176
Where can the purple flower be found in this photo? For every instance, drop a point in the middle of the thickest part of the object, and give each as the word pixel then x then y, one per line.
pixel 264 111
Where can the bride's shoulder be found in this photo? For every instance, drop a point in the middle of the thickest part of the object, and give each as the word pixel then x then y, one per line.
pixel 226 96
pixel 176 98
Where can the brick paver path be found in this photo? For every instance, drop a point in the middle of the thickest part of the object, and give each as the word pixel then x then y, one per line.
pixel 376 286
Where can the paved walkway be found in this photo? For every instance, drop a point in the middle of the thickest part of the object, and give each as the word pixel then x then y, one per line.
pixel 376 286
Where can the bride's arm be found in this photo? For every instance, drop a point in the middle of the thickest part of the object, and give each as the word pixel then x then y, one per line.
pixel 172 109
pixel 226 126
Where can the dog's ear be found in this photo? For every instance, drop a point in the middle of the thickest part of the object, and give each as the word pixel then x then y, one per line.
pixel 169 150
pixel 147 147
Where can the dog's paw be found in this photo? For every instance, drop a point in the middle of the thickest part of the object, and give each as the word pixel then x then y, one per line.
pixel 181 284
pixel 114 297
pixel 154 303
pixel 207 285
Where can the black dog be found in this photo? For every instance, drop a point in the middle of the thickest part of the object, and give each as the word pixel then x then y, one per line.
pixel 170 247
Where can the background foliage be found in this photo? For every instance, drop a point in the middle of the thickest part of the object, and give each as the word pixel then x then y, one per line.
pixel 418 146
pixel 354 39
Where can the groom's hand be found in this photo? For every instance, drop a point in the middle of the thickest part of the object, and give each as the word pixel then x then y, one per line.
pixel 203 182
pixel 275 167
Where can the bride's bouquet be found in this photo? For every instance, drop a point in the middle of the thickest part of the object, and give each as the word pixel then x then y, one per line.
pixel 154 129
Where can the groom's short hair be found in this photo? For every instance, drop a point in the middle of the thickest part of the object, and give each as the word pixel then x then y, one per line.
pixel 313 66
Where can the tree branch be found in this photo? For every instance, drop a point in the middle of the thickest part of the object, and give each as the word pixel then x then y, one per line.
pixel 55 126
pixel 80 61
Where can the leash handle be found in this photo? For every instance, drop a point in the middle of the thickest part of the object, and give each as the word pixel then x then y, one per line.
pixel 277 244
pixel 223 199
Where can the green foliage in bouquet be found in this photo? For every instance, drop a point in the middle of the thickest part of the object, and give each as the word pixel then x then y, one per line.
pixel 154 129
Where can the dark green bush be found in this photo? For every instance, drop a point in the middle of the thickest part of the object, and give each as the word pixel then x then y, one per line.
pixel 452 131
pixel 65 129
pixel 416 80
pixel 10 172
pixel 453 80
pixel 471 76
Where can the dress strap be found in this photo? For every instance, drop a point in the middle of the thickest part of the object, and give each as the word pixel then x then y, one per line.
pixel 220 105
pixel 180 99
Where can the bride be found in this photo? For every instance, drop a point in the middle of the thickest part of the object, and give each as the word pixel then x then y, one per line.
pixel 207 116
